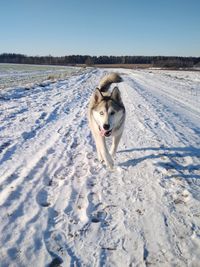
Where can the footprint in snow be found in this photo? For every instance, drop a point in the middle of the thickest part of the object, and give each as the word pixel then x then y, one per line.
pixel 44 198
pixel 98 216
pixel 29 135
pixel 181 197
pixel 4 146
pixel 42 117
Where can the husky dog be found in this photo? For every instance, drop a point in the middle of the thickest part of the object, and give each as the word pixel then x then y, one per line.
pixel 107 117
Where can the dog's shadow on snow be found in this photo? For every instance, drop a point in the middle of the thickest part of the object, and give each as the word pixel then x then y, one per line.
pixel 176 159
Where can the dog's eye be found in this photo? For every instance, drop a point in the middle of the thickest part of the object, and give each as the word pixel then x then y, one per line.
pixel 101 113
pixel 112 113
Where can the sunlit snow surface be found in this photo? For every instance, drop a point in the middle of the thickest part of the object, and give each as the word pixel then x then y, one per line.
pixel 60 206
pixel 16 75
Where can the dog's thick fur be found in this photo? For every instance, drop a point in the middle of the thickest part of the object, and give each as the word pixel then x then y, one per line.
pixel 106 116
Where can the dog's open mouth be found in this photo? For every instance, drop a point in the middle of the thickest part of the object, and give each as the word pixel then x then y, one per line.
pixel 104 132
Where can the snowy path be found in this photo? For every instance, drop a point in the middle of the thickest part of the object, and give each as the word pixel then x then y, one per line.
pixel 59 206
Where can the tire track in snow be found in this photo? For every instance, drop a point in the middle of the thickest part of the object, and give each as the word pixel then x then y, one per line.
pixel 77 212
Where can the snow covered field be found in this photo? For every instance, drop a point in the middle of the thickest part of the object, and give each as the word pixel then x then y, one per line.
pixel 30 75
pixel 60 207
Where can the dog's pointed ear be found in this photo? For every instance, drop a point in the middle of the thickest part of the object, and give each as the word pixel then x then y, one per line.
pixel 116 95
pixel 97 95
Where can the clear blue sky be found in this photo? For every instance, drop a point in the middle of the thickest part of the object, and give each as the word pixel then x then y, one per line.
pixel 100 27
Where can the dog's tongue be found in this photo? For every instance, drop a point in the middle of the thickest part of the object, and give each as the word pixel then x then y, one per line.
pixel 102 132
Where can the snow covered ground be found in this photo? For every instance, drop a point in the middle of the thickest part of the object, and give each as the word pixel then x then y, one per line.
pixel 18 75
pixel 60 207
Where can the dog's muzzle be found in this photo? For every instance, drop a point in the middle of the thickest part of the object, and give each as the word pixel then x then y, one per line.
pixel 104 132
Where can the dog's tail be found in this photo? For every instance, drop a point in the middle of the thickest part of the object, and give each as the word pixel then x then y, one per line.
pixel 107 80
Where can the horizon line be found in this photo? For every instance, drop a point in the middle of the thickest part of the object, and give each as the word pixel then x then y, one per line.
pixel 102 55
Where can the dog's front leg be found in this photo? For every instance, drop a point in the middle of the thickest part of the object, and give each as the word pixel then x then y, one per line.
pixel 101 147
pixel 96 137
pixel 115 143
pixel 100 158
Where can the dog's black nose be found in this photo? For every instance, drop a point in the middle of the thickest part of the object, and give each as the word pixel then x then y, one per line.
pixel 106 126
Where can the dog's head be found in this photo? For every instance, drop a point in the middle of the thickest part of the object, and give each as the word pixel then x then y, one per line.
pixel 108 110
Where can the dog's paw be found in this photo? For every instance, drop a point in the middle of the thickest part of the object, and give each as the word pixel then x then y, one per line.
pixel 100 159
pixel 113 156
pixel 111 167
pixel 110 163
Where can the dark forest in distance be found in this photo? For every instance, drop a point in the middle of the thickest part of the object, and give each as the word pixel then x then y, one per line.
pixel 157 61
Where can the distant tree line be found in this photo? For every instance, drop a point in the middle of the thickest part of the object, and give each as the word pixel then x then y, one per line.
pixel 157 61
